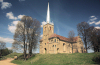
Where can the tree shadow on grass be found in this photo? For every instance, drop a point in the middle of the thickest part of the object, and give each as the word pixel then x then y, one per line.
pixel 21 57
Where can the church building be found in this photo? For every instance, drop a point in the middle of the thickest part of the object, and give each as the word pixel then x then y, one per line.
pixel 52 43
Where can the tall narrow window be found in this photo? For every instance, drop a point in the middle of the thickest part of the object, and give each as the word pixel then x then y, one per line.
pixel 45 43
pixel 45 28
pixel 50 28
pixel 55 40
pixel 51 40
pixel 55 46
pixel 64 46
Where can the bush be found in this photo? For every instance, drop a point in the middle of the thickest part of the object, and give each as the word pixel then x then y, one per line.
pixel 4 52
pixel 96 59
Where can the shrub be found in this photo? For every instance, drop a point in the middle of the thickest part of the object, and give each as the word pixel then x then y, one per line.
pixel 96 59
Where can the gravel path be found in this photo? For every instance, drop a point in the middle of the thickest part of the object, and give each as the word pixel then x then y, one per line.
pixel 7 62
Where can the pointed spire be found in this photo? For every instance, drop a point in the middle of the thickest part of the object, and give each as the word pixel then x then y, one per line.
pixel 48 14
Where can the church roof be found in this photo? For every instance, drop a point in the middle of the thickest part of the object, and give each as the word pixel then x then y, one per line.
pixel 41 40
pixel 62 38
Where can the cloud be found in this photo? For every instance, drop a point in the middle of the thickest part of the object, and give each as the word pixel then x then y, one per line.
pixel 9 48
pixel 97 23
pixel 5 5
pixel 15 22
pixel 1 0
pixel 10 16
pixel 20 16
pixel 12 27
pixel 97 27
pixel 92 16
pixel 92 22
pixel 41 36
pixel 7 40
pixel 92 19
pixel 43 23
pixel 21 0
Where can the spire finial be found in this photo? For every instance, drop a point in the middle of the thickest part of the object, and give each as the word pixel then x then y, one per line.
pixel 48 14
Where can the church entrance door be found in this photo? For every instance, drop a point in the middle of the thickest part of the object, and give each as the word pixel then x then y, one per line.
pixel 45 50
pixel 57 50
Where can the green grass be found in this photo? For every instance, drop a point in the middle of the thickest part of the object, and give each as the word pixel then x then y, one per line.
pixel 12 55
pixel 59 59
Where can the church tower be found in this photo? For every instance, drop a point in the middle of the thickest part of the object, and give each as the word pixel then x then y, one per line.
pixel 48 30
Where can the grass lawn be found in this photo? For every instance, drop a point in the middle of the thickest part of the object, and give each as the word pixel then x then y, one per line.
pixel 10 56
pixel 59 59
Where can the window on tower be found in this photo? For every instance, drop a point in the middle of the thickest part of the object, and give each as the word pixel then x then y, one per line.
pixel 45 28
pixel 50 28
pixel 51 40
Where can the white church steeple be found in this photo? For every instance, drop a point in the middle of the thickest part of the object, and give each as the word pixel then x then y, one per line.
pixel 48 14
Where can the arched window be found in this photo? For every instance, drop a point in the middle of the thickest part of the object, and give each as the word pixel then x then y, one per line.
pixel 51 40
pixel 63 46
pixel 50 28
pixel 53 45
pixel 55 40
pixel 45 28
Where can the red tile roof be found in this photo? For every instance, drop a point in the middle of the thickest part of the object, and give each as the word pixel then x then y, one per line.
pixel 62 38
pixel 41 40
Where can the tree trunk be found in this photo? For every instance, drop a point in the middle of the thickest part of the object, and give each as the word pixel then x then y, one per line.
pixel 85 44
pixel 30 50
pixel 72 47
pixel 24 51
pixel 86 47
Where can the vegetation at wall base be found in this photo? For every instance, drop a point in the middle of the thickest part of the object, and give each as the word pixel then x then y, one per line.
pixel 61 59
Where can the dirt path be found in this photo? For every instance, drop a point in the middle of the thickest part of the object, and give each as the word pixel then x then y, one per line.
pixel 7 62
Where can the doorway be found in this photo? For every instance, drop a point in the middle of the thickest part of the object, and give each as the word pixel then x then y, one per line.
pixel 57 50
pixel 45 50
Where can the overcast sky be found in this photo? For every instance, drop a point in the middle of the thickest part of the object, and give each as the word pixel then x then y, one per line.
pixel 65 14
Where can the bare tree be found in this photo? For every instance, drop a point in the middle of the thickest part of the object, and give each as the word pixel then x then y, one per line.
pixel 71 38
pixel 94 38
pixel 27 34
pixel 83 31
pixel 33 35
pixel 20 37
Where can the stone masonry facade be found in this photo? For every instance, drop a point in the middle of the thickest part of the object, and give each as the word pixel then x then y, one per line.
pixel 52 43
